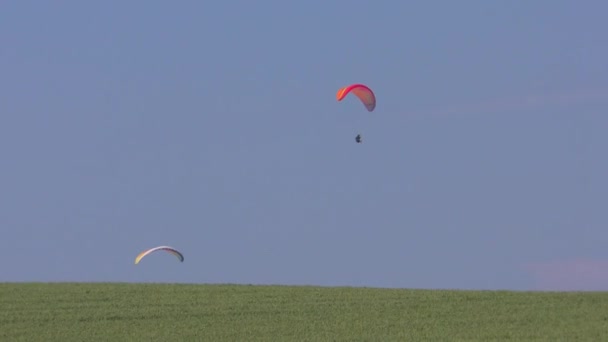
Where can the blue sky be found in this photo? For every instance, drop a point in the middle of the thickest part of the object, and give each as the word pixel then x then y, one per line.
pixel 214 128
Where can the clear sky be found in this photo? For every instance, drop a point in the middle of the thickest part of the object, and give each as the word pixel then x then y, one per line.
pixel 213 127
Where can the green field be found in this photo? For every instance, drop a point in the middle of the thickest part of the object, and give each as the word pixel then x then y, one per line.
pixel 176 312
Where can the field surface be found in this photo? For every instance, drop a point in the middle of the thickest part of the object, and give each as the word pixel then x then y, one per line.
pixel 178 312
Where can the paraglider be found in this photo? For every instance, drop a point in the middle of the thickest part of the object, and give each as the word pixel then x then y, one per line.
pixel 363 92
pixel 171 250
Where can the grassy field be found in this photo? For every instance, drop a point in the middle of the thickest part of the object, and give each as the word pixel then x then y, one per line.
pixel 172 312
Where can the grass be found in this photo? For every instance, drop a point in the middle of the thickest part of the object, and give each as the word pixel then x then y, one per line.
pixel 179 312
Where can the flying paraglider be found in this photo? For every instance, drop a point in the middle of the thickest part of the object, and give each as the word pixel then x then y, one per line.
pixel 160 248
pixel 363 92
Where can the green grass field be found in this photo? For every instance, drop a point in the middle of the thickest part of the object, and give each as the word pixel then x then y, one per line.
pixel 175 312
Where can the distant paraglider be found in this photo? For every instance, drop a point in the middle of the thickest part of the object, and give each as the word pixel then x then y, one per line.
pixel 171 250
pixel 364 93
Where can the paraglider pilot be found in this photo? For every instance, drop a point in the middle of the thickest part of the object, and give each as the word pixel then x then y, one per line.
pixel 358 138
